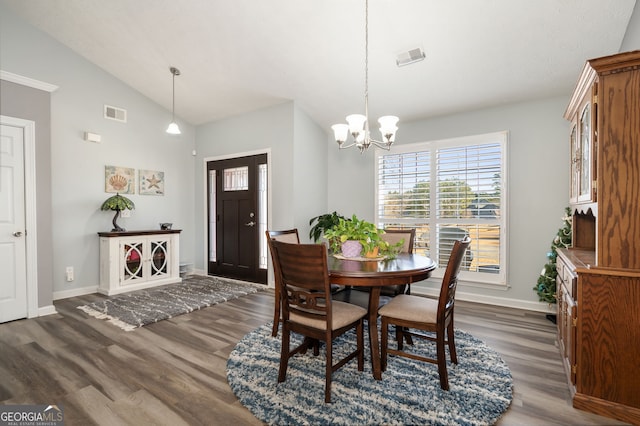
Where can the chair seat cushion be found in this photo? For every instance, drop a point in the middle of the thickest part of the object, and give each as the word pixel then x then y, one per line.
pixel 342 314
pixel 411 308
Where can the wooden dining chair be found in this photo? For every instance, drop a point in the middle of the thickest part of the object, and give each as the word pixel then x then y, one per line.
pixel 288 236
pixel 409 313
pixel 393 237
pixel 307 307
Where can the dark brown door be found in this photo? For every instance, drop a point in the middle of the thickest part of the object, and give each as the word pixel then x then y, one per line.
pixel 235 217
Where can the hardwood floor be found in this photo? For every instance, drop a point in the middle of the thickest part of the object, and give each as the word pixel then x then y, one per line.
pixel 174 372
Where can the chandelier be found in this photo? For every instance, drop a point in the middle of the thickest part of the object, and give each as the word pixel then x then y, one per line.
pixel 358 124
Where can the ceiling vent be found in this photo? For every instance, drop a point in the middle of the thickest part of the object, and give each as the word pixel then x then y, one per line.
pixel 410 57
pixel 115 113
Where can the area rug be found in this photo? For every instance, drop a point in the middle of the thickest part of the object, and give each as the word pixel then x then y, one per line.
pixel 408 394
pixel 139 308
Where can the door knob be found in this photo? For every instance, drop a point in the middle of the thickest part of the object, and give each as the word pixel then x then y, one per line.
pixel 17 234
pixel 252 223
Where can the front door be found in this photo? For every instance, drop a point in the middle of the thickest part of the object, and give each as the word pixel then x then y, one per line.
pixel 13 264
pixel 237 217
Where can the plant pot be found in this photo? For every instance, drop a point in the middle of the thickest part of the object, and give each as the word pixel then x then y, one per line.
pixel 351 248
pixel 372 254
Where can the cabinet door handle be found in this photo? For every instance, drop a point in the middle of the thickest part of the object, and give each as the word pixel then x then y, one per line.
pixel 17 234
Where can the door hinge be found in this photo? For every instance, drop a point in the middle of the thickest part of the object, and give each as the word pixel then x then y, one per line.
pixel 574 321
pixel 574 369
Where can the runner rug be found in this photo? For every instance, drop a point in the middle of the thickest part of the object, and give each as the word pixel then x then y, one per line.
pixel 408 394
pixel 139 308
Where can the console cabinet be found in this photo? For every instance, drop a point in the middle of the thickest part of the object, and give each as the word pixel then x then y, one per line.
pixel 598 284
pixel 138 259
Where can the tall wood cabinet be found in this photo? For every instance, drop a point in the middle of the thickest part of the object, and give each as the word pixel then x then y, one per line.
pixel 598 285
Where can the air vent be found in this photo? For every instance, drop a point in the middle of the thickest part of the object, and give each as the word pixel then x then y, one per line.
pixel 115 113
pixel 410 57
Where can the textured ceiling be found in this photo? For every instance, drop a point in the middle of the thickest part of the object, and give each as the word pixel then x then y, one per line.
pixel 240 55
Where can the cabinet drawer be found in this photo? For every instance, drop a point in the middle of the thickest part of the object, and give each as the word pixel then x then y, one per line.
pixel 567 276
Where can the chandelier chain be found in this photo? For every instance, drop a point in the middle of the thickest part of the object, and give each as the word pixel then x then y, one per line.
pixel 366 63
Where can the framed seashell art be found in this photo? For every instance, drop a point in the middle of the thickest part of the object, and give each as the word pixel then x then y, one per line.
pixel 119 180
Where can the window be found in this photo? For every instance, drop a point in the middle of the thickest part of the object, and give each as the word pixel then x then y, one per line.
pixel 446 190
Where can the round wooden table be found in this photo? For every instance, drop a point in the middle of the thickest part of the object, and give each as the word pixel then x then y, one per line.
pixel 405 268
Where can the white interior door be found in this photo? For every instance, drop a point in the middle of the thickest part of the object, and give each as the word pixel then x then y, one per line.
pixel 13 266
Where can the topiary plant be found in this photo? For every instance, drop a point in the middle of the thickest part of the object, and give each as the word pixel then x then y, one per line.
pixel 117 203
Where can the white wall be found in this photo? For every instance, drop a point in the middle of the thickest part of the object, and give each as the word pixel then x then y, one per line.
pixel 297 164
pixel 631 39
pixel 310 190
pixel 77 177
pixel 538 183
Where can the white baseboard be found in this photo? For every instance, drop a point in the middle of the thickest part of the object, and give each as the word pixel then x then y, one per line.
pixel 199 272
pixel 490 300
pixel 47 310
pixel 65 294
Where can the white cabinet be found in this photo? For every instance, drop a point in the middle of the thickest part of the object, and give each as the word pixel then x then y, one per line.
pixel 134 260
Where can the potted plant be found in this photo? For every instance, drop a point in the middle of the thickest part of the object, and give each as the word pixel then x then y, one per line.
pixel 117 203
pixel 354 237
pixel 320 224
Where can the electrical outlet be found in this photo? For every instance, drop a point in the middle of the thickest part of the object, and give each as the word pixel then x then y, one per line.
pixel 69 271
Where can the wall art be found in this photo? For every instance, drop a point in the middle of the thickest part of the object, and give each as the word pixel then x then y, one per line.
pixel 119 179
pixel 151 182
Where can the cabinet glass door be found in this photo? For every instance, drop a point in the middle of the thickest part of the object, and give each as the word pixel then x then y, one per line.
pixel 575 169
pixel 133 255
pixel 585 154
pixel 159 258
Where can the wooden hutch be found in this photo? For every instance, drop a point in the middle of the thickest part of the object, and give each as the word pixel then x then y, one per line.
pixel 598 285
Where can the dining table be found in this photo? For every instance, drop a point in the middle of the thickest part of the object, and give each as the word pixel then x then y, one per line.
pixel 404 268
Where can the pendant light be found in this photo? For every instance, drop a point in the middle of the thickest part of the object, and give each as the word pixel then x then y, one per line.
pixel 173 128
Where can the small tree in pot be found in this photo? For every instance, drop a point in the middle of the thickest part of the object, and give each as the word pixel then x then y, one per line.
pixel 117 203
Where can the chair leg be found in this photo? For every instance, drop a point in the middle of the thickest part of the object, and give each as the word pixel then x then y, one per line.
pixel 328 370
pixel 452 343
pixel 408 338
pixel 284 355
pixel 276 313
pixel 442 360
pixel 400 337
pixel 360 345
pixel 384 344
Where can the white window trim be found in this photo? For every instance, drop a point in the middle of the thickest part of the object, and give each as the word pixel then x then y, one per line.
pixel 473 278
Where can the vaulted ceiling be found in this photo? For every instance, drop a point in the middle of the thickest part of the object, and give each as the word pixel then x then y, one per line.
pixel 240 55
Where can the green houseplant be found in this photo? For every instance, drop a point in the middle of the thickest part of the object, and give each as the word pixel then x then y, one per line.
pixel 320 224
pixel 365 233
pixel 117 203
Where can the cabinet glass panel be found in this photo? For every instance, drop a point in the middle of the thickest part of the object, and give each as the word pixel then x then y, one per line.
pixel 159 258
pixel 575 170
pixel 133 253
pixel 585 153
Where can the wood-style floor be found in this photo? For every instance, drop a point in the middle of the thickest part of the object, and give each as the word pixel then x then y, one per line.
pixel 174 372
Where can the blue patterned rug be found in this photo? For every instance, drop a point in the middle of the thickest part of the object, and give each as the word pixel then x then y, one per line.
pixel 139 308
pixel 408 394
